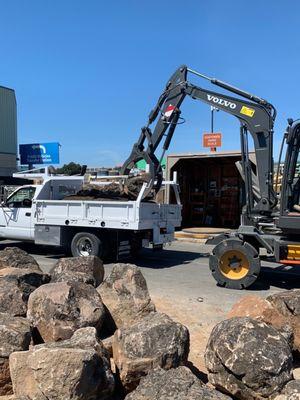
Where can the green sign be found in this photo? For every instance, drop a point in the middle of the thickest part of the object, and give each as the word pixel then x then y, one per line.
pixel 142 164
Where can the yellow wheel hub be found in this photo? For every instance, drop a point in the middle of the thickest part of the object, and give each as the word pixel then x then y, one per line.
pixel 234 264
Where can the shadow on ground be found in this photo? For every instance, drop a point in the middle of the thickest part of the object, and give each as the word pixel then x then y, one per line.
pixel 166 258
pixel 31 248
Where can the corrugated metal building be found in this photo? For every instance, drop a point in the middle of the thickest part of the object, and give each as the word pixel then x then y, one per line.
pixel 8 132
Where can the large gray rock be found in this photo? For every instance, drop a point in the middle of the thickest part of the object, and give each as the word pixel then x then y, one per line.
pixel 15 335
pixel 292 387
pixel 89 270
pixel 57 310
pixel 125 294
pixel 155 341
pixel 175 384
pixel 16 284
pixel 248 359
pixel 77 368
pixel 291 391
pixel 17 258
pixel 287 304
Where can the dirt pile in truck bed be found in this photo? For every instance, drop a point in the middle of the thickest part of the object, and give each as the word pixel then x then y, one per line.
pixel 112 191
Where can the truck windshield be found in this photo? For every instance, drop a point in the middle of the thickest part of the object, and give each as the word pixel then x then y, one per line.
pixel 21 198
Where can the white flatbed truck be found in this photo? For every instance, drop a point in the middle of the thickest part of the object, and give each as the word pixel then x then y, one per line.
pixel 38 213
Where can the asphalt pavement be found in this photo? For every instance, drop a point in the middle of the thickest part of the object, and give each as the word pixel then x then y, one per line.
pixel 181 271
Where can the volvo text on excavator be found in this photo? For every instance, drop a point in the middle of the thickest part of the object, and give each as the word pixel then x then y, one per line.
pixel 268 220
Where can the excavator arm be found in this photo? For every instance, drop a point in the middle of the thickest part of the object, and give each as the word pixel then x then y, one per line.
pixel 256 116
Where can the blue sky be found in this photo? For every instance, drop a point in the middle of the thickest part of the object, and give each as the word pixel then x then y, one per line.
pixel 87 73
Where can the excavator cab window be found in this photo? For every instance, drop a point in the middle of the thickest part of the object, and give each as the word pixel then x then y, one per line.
pixel 290 190
pixel 295 189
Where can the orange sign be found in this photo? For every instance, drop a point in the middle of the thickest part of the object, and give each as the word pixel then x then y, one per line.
pixel 212 140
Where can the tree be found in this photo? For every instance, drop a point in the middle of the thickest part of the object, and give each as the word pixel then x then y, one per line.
pixel 69 169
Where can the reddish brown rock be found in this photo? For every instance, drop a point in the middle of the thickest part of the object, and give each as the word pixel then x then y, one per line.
pixel 15 335
pixel 17 258
pixel 89 270
pixel 16 284
pixel 261 309
pixel 125 294
pixel 108 343
pixel 281 310
pixel 57 310
pixel 77 369
pixel 288 305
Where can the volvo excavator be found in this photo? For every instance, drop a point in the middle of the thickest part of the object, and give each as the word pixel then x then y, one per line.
pixel 268 220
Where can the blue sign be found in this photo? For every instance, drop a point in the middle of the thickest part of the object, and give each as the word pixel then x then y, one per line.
pixel 39 153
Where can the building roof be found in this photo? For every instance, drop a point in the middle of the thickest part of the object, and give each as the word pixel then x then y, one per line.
pixel 208 154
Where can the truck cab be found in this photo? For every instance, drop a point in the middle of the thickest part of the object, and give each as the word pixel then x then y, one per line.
pixel 18 212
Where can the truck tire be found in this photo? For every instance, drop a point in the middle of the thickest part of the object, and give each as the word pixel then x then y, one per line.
pixel 234 264
pixel 86 244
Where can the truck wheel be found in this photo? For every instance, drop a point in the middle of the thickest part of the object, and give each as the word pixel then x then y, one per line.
pixel 234 264
pixel 86 244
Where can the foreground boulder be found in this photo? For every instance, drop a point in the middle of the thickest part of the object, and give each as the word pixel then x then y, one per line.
pixel 125 294
pixel 77 368
pixel 176 384
pixel 15 335
pixel 248 359
pixel 89 270
pixel 16 284
pixel 155 341
pixel 17 258
pixel 57 310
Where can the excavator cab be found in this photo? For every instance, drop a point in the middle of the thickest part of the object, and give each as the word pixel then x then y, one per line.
pixel 289 219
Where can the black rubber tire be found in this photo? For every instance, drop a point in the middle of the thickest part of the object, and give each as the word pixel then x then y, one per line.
pixel 95 244
pixel 248 251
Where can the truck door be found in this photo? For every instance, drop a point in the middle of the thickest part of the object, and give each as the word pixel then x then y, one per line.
pixel 16 215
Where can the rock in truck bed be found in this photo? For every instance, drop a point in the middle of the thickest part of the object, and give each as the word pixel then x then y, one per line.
pixel 112 191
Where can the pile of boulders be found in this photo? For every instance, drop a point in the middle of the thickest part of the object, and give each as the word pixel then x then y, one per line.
pixel 73 334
